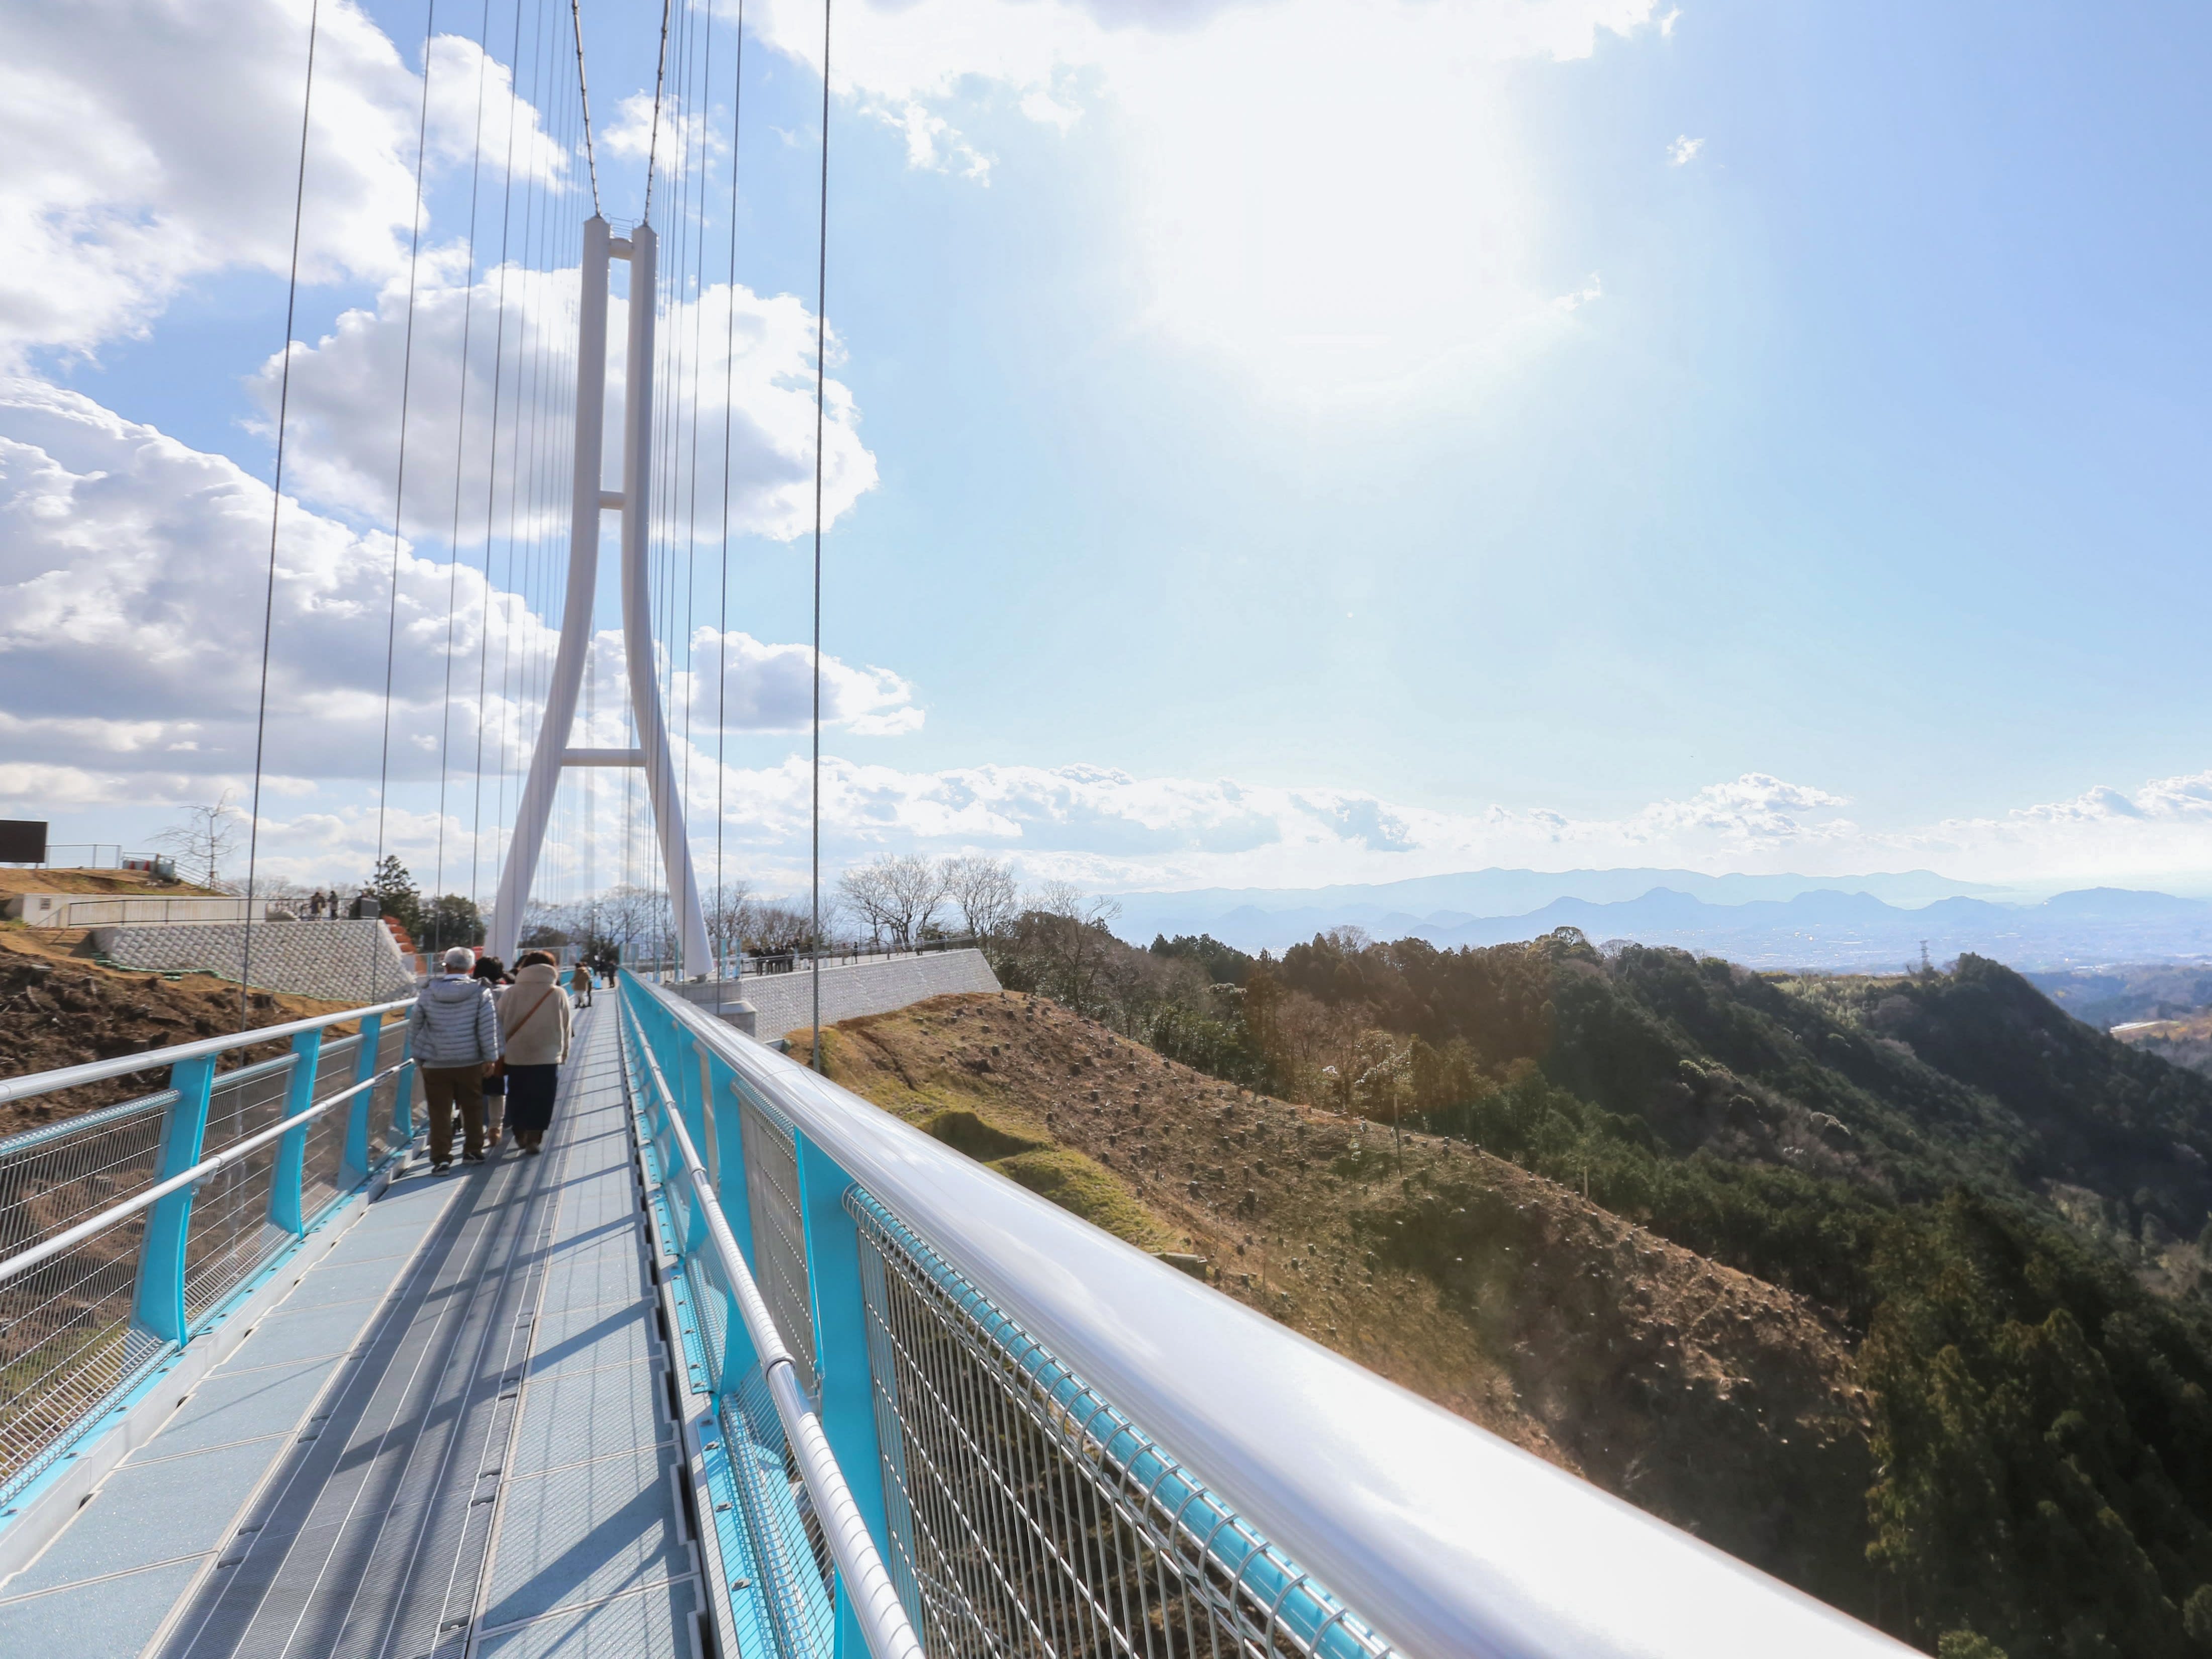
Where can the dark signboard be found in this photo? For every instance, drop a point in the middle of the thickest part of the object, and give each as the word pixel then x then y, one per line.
pixel 22 841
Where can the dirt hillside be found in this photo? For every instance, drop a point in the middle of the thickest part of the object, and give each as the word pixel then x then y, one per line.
pixel 1706 1396
pixel 58 1008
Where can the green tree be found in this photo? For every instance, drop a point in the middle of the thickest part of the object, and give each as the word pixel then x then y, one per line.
pixel 452 919
pixel 395 892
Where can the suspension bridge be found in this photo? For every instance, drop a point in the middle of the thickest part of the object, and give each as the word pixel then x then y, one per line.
pixel 743 1366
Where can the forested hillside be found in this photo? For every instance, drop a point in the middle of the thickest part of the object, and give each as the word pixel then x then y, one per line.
pixel 2001 1208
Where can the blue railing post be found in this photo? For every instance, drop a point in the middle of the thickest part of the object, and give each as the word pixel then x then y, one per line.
pixel 403 1092
pixel 290 1173
pixel 159 1307
pixel 356 1137
pixel 847 1406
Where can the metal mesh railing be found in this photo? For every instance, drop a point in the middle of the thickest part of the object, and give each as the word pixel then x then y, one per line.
pixel 1029 1517
pixel 771 1151
pixel 322 1170
pixel 383 1099
pixel 230 1237
pixel 66 1343
pixel 799 1579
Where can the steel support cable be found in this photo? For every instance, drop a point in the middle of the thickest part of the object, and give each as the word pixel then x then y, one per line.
pixel 399 478
pixel 729 388
pixel 584 98
pixel 460 454
pixel 275 511
pixel 652 141
pixel 869 1592
pixel 491 464
pixel 821 341
pixel 692 508
pixel 46 1248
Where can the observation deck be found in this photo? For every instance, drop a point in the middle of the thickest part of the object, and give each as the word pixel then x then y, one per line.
pixel 739 1366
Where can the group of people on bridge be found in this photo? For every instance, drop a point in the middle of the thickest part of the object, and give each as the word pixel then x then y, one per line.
pixel 491 1047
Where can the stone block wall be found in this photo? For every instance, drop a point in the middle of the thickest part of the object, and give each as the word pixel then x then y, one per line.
pixel 356 962
pixel 784 1002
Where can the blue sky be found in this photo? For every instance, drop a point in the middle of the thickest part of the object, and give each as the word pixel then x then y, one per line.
pixel 1739 435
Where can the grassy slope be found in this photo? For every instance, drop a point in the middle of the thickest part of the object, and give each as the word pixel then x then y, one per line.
pixel 1709 1397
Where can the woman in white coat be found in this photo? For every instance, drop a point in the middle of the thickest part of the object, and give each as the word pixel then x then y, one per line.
pixel 534 1023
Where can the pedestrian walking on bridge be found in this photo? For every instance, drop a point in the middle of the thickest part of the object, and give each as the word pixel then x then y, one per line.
pixel 535 1023
pixel 453 1032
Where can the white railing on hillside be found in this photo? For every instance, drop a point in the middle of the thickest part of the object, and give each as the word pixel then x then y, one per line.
pixel 1080 1449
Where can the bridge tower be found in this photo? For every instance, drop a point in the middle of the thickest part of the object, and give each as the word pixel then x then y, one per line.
pixel 640 248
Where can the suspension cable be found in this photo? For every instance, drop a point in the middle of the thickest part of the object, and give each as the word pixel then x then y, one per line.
pixel 729 385
pixel 399 480
pixel 652 142
pixel 821 340
pixel 584 98
pixel 276 509
pixel 460 453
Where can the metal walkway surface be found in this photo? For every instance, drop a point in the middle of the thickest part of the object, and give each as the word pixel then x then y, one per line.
pixel 453 1437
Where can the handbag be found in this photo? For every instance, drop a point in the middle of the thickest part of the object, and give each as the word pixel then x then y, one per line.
pixel 499 1065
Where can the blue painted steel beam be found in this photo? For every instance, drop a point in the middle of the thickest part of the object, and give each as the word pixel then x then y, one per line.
pixel 842 1361
pixel 357 1139
pixel 289 1173
pixel 158 1307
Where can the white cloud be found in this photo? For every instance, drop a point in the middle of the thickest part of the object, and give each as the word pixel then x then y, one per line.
pixel 1684 150
pixel 148 145
pixel 132 571
pixel 1296 171
pixel 681 130
pixel 753 360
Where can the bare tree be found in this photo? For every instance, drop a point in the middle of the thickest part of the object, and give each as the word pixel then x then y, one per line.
pixel 1078 942
pixel 729 909
pixel 897 896
pixel 983 887
pixel 205 837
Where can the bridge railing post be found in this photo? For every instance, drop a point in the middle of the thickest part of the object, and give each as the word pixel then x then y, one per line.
pixel 357 1109
pixel 158 1306
pixel 843 1363
pixel 289 1174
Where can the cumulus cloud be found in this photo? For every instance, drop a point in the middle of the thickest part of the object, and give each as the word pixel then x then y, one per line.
pixel 1299 174
pixel 1684 150
pixel 132 571
pixel 746 359
pixel 148 145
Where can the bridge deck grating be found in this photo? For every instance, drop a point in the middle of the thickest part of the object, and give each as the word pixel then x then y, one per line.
pixel 452 1436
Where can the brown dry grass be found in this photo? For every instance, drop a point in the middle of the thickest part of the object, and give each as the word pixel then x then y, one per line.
pixel 1709 1397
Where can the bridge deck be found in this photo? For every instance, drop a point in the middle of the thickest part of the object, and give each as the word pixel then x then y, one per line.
pixel 453 1437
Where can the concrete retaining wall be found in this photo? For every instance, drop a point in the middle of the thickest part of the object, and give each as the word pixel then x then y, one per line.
pixel 356 962
pixel 784 1002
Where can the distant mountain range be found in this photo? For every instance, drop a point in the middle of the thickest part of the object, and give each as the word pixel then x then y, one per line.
pixel 1847 923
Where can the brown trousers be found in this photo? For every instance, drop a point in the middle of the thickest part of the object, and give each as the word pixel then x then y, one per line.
pixel 446 1087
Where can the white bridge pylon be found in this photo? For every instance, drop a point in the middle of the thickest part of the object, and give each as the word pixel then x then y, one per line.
pixel 504 935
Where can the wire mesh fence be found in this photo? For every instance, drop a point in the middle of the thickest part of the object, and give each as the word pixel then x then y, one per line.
pixel 66 1342
pixel 230 1236
pixel 778 1230
pixel 787 1543
pixel 322 1172
pixel 1029 1517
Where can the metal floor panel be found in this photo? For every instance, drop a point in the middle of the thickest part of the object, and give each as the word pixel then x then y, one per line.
pixel 456 1422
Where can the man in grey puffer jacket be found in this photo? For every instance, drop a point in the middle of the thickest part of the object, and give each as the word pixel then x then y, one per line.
pixel 453 1030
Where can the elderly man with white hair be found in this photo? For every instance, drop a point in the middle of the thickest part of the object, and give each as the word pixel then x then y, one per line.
pixel 455 1031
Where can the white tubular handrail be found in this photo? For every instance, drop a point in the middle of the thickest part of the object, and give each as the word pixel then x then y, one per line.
pixel 1445 1538
pixel 46 1250
pixel 98 1071
pixel 874 1599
